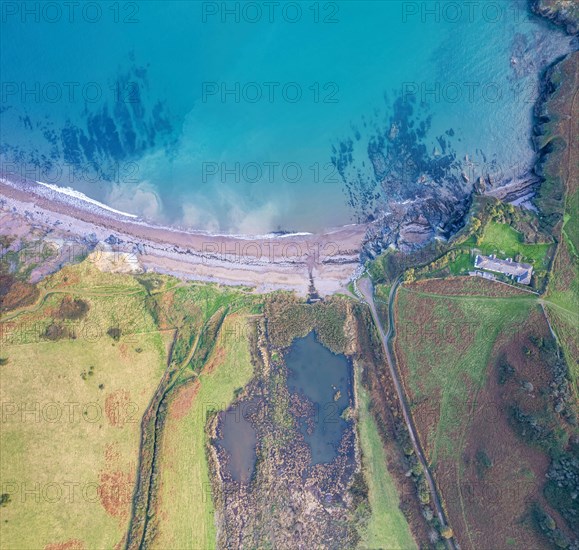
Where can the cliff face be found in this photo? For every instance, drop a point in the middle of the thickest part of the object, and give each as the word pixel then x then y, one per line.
pixel 564 13
pixel 556 121
pixel 553 137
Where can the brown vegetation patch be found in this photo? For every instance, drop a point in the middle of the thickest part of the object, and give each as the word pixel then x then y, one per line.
pixel 124 350
pixel 15 294
pixel 73 544
pixel 165 303
pixel 466 286
pixel 73 309
pixel 112 453
pixel 432 323
pixel 183 401
pixel 215 360
pixel 115 493
pixel 488 490
pixel 117 408
pixel 426 415
pixel 67 277
pixel 116 483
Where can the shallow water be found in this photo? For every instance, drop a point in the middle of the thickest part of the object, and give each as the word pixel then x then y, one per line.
pixel 239 439
pixel 324 379
pixel 222 116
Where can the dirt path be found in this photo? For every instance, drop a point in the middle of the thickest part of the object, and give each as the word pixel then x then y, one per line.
pixel 365 287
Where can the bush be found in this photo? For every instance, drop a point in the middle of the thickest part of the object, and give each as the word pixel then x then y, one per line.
pixel 563 487
pixel 423 491
pixel 358 489
pixel 483 462
pixel 114 333
pixel 506 372
pixel 447 533
pixel 57 331
pixel 409 275
pixel 72 309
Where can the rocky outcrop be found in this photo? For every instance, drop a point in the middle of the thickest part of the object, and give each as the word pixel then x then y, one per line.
pixel 412 225
pixel 416 232
pixel 440 203
pixel 555 121
pixel 516 188
pixel 564 13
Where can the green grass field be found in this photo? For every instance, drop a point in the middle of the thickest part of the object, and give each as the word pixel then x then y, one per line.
pixel 382 292
pixel 71 411
pixel 498 238
pixel 387 527
pixel 444 343
pixel 562 297
pixel 503 240
pixel 185 487
pixel 72 406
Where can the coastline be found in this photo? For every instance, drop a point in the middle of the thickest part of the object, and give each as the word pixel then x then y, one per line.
pixel 267 262
pixel 553 118
pixel 326 261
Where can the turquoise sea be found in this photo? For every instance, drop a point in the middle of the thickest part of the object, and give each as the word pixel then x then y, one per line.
pixel 250 117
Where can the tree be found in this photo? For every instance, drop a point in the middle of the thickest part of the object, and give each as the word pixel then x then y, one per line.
pixel 446 532
pixel 409 275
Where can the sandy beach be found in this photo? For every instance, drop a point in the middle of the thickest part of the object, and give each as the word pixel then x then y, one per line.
pixel 270 262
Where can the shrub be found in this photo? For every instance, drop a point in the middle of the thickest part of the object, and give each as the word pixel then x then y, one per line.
pixel 114 333
pixel 423 491
pixel 72 309
pixel 506 372
pixel 483 462
pixel 563 487
pixel 358 489
pixel 409 275
pixel 57 331
pixel 446 533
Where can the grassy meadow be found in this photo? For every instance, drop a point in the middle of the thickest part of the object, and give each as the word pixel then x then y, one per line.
pixel 387 527
pixel 443 344
pixel 185 489
pixel 497 238
pixel 562 297
pixel 72 394
pixel 503 240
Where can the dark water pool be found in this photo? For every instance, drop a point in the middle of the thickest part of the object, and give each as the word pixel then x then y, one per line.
pixel 239 439
pixel 324 379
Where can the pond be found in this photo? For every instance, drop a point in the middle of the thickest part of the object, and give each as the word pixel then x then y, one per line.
pixel 323 380
pixel 239 439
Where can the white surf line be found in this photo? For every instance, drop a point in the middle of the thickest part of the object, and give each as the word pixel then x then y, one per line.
pixel 69 192
pixel 78 195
